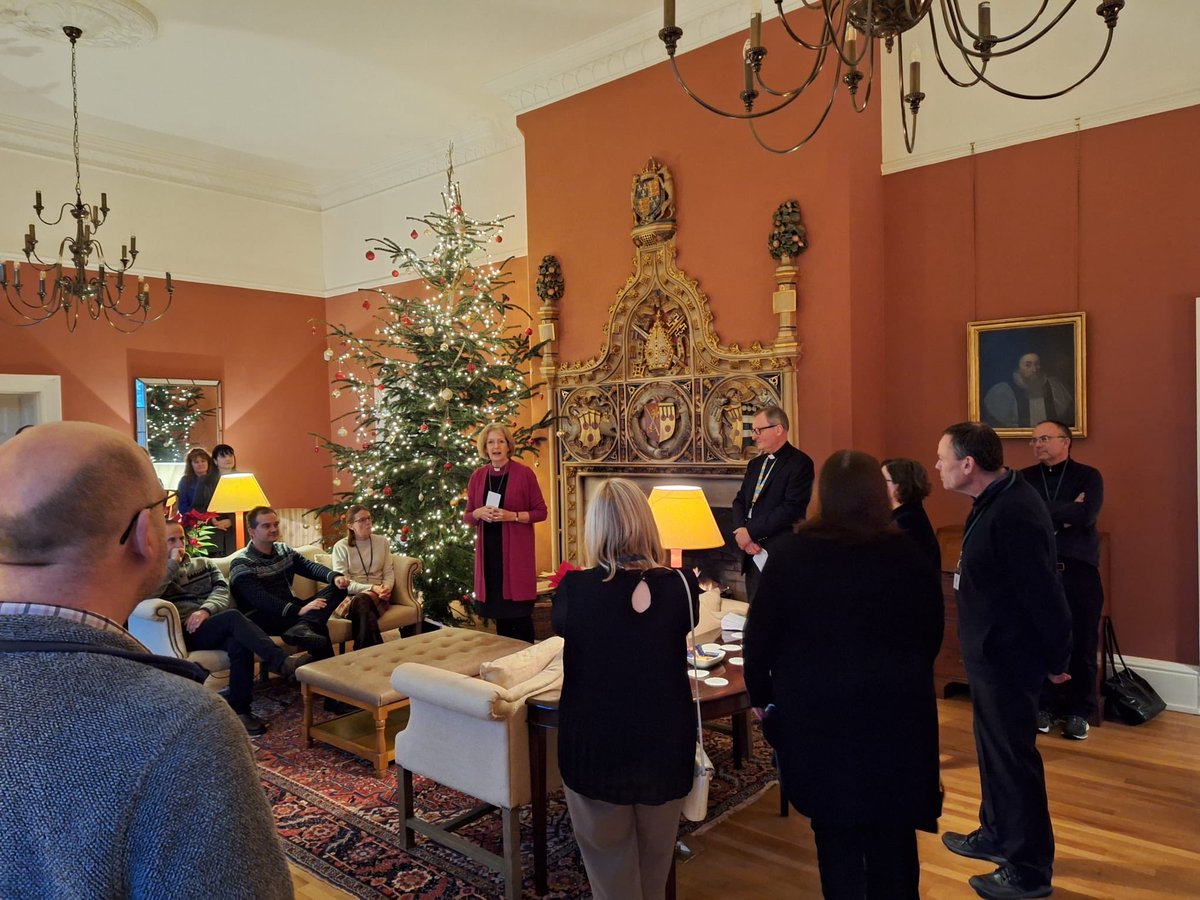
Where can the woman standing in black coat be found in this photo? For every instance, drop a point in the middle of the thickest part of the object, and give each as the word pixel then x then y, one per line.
pixel 839 653
pixel 908 485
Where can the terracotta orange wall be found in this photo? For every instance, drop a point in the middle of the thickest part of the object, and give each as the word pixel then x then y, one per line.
pixel 580 158
pixel 259 345
pixel 347 310
pixel 1117 243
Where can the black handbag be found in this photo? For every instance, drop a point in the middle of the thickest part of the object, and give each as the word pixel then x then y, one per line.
pixel 1127 695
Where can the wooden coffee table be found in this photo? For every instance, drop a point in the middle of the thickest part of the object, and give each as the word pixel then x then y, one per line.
pixel 731 701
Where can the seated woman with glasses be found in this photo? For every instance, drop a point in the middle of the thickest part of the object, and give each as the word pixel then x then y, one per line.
pixel 907 485
pixel 627 726
pixel 366 559
pixel 849 604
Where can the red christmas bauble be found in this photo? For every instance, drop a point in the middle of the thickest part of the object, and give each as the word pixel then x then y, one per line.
pixel 339 375
pixel 366 304
pixel 424 428
pixel 499 239
pixel 470 368
pixel 404 529
pixel 406 321
pixel 448 466
pixel 395 273
pixel 370 254
pixel 366 446
pixel 528 332
pixel 316 449
pixel 457 210
pixel 413 234
pixel 387 490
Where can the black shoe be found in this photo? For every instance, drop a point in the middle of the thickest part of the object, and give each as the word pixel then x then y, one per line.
pixel 1004 884
pixel 1076 728
pixel 292 663
pixel 337 707
pixel 972 845
pixel 303 636
pixel 1044 721
pixel 254 727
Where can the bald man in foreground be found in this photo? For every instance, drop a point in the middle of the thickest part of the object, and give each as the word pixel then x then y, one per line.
pixel 122 776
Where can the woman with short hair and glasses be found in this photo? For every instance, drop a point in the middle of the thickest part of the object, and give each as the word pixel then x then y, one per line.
pixel 907 485
pixel 366 559
pixel 839 650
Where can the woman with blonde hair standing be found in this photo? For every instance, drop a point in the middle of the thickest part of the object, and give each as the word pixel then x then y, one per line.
pixel 503 503
pixel 627 725
pixel 366 560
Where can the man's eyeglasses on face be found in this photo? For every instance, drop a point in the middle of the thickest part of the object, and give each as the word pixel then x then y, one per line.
pixel 1045 438
pixel 757 431
pixel 166 501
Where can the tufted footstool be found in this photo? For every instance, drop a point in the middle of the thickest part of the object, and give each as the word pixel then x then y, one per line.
pixel 362 678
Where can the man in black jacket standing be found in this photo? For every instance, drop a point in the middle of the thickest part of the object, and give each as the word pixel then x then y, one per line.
pixel 774 494
pixel 1015 629
pixel 1074 493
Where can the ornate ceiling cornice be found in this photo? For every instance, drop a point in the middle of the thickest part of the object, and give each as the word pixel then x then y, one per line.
pixel 105 23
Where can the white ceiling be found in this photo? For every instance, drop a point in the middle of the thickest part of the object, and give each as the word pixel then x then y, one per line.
pixel 313 101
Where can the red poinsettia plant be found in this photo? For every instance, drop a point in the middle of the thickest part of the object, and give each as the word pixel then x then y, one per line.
pixel 558 576
pixel 197 532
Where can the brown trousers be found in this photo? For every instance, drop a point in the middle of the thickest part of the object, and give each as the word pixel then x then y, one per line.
pixel 627 850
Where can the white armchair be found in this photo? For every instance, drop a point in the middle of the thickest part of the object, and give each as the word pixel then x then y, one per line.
pixel 156 624
pixel 470 734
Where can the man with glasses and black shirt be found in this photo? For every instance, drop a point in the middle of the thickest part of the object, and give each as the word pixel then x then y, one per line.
pixel 133 779
pixel 1073 493
pixel 774 494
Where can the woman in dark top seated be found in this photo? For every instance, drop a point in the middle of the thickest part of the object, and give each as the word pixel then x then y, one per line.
pixel 907 485
pixel 198 482
pixel 627 724
pixel 839 653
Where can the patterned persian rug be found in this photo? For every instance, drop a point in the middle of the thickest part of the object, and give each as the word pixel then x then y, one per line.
pixel 339 821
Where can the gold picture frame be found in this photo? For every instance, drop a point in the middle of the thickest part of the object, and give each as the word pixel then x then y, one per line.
pixel 1003 353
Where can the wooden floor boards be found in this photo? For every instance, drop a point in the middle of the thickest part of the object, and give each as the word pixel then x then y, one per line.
pixel 1125 805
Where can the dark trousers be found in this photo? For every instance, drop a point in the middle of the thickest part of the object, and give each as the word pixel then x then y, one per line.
pixel 1085 596
pixel 867 862
pixel 753 575
pixel 317 619
pixel 242 640
pixel 1014 815
pixel 519 627
pixel 364 621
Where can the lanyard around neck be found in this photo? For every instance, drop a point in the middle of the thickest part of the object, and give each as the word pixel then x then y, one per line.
pixel 1061 477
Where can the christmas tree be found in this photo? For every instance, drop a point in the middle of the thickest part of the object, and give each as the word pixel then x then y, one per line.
pixel 176 410
pixel 436 369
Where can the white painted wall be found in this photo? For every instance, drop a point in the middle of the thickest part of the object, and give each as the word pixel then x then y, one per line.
pixel 1152 67
pixel 491 186
pixel 199 235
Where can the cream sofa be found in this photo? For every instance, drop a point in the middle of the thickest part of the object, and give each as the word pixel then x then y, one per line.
pixel 156 622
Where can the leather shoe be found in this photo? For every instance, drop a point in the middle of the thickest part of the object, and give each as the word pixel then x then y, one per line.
pixel 303 636
pixel 292 663
pixel 338 708
pixel 972 845
pixel 254 727
pixel 1004 884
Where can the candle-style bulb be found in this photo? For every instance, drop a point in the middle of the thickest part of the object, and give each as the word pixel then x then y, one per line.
pixel 914 71
pixel 668 13
pixel 985 19
pixel 756 30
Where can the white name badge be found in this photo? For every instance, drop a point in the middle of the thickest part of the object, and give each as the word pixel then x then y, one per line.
pixel 493 499
pixel 956 581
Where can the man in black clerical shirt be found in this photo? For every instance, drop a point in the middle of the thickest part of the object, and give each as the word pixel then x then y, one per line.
pixel 774 494
pixel 1074 493
pixel 1015 630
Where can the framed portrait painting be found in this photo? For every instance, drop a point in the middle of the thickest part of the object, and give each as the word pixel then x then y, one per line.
pixel 1022 371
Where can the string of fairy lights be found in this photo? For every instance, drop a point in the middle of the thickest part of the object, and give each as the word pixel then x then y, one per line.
pixel 438 366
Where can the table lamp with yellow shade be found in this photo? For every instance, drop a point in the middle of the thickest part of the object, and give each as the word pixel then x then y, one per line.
pixel 238 493
pixel 684 519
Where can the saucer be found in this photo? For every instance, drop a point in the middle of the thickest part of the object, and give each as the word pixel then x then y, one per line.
pixel 702 674
pixel 734 660
pixel 717 682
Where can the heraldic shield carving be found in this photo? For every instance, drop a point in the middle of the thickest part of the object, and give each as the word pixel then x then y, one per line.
pixel 663 397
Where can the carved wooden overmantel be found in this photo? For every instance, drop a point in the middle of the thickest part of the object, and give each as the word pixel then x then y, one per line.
pixel 663 399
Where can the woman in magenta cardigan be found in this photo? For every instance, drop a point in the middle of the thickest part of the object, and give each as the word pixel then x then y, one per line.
pixel 503 503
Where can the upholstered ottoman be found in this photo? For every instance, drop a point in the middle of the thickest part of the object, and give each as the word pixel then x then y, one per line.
pixel 362 678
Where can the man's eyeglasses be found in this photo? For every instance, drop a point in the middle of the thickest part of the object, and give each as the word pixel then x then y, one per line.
pixel 757 431
pixel 166 501
pixel 1045 438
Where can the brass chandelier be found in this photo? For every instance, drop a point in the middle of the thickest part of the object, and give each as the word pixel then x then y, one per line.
pixel 64 285
pixel 849 34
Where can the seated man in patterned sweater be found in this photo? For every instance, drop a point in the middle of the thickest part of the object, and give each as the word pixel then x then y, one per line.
pixel 261 577
pixel 199 591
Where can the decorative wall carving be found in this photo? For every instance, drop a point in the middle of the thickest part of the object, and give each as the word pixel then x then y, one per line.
pixel 663 398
